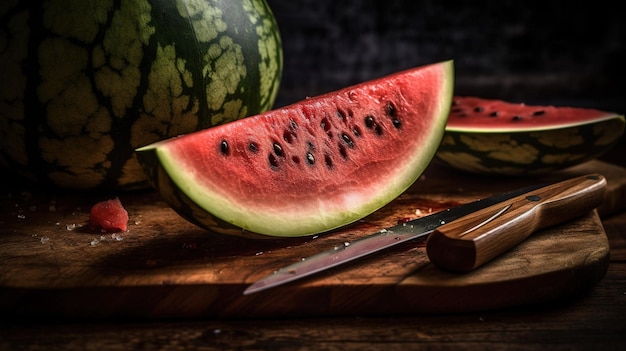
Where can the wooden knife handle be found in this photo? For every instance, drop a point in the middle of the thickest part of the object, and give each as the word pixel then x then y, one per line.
pixel 472 240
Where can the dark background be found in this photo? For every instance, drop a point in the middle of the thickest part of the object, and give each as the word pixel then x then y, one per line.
pixel 563 51
pixel 538 52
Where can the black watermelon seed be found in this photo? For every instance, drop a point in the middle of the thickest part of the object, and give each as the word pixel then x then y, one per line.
pixel 293 124
pixel 342 151
pixel 539 113
pixel 288 136
pixel 325 125
pixel 278 150
pixel 478 109
pixel 310 145
pixel 356 131
pixel 328 161
pixel 224 147
pixel 379 129
pixel 494 114
pixel 517 118
pixel 346 139
pixel 397 123
pixel 253 147
pixel 369 121
pixel 310 158
pixel 341 115
pixel 390 110
pixel 273 161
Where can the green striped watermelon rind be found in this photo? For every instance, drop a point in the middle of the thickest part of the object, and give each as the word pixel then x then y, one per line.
pixel 88 83
pixel 532 151
pixel 176 198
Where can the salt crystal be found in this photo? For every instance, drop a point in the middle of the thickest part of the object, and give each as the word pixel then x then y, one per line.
pixel 94 242
pixel 44 239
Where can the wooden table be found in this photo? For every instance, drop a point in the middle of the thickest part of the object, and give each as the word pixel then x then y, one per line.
pixel 595 320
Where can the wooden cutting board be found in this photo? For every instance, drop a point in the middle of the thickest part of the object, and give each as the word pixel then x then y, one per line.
pixel 51 265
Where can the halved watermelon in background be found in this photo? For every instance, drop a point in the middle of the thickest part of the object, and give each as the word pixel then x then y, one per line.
pixel 501 138
pixel 309 167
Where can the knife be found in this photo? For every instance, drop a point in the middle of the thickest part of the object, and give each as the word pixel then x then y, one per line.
pixel 464 237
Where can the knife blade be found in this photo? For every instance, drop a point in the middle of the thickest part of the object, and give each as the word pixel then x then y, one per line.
pixel 466 236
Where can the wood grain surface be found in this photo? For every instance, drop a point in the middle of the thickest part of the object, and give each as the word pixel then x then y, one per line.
pixel 52 265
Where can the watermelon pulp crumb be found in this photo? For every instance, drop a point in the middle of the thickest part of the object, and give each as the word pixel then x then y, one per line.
pixel 109 215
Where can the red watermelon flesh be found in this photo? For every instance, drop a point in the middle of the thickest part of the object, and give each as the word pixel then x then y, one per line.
pixel 501 138
pixel 309 167
pixel 474 114
pixel 109 216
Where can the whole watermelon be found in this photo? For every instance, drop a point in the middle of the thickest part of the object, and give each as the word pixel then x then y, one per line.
pixel 86 82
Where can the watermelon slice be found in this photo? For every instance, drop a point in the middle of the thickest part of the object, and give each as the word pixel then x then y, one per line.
pixel 501 138
pixel 309 167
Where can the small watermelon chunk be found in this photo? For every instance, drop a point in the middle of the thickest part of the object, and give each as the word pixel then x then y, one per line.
pixel 109 215
pixel 496 137
pixel 309 167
